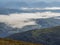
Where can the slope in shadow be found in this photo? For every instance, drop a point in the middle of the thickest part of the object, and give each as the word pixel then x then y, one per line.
pixel 47 36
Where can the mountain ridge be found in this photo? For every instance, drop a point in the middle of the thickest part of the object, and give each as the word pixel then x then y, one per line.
pixel 48 36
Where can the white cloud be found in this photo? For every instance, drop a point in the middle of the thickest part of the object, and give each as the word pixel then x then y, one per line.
pixel 23 19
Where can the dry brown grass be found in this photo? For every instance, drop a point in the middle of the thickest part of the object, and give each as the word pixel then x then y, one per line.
pixel 14 42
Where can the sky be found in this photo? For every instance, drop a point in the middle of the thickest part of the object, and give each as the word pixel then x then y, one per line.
pixel 32 0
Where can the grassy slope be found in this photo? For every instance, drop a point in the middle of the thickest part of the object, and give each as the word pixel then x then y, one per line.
pixel 14 42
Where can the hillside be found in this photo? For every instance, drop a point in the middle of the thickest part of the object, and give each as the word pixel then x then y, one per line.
pixel 48 36
pixel 14 42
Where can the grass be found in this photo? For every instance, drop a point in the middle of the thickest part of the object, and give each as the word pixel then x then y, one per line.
pixel 14 42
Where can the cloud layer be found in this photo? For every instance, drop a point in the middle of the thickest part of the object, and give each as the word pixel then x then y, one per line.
pixel 23 19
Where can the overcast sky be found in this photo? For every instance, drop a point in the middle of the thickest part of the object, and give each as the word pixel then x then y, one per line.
pixel 31 0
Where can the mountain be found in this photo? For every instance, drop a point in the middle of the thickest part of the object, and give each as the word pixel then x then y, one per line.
pixel 7 11
pixel 47 36
pixel 4 29
pixel 14 42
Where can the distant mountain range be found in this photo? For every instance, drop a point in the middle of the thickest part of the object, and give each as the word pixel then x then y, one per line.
pixel 8 11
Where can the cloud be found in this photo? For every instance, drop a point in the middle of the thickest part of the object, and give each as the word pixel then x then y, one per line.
pixel 23 19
